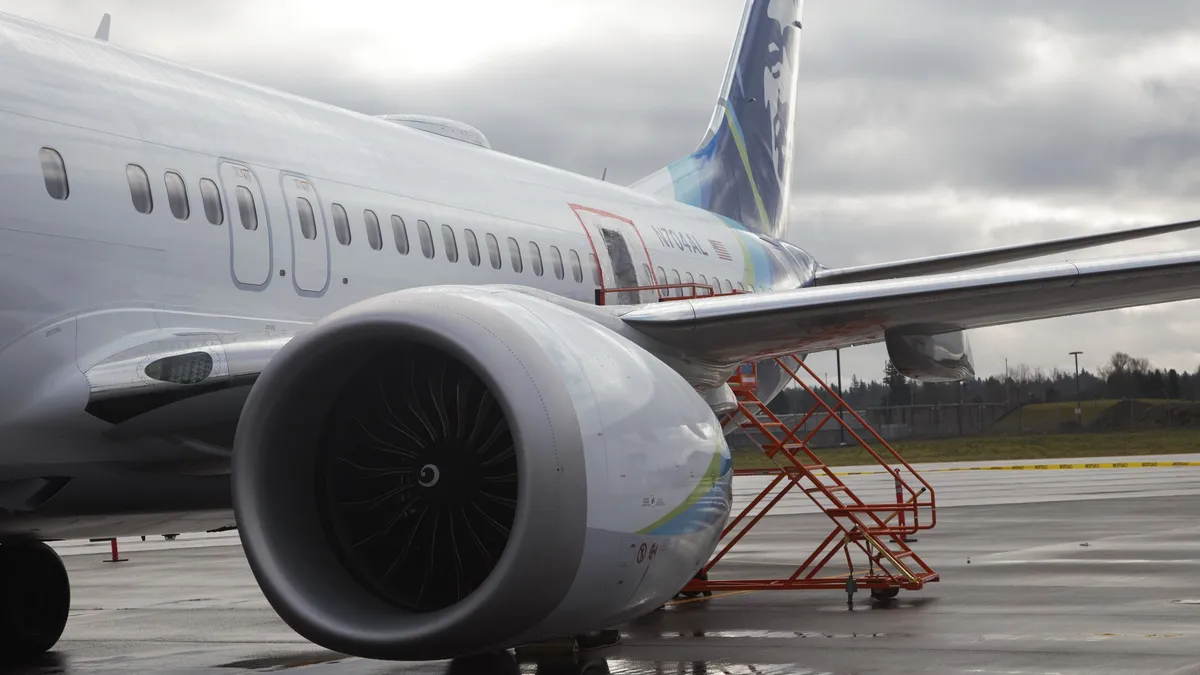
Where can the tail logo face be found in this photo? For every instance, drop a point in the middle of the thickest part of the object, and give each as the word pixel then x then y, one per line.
pixel 779 80
pixel 755 137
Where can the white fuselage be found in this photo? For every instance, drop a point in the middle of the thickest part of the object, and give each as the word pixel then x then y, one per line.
pixel 91 275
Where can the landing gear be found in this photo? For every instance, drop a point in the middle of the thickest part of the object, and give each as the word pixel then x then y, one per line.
pixel 35 598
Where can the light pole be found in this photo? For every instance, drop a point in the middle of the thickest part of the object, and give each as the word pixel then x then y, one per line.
pixel 1078 400
pixel 841 424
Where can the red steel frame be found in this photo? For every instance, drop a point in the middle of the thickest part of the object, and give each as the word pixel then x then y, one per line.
pixel 688 290
pixel 861 530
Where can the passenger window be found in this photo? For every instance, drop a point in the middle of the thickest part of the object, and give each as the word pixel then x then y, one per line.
pixel 247 209
pixel 54 173
pixel 211 196
pixel 535 256
pixel 426 238
pixel 556 262
pixel 341 224
pixel 400 234
pixel 451 243
pixel 374 236
pixel 472 247
pixel 177 196
pixel 677 292
pixel 740 287
pixel 493 251
pixel 308 219
pixel 595 269
pixel 691 279
pixel 704 280
pixel 661 278
pixel 514 252
pixel 728 286
pixel 139 188
pixel 576 267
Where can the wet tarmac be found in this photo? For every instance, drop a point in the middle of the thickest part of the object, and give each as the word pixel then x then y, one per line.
pixel 1051 572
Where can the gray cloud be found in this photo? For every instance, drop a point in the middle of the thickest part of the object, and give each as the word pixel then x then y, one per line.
pixel 922 127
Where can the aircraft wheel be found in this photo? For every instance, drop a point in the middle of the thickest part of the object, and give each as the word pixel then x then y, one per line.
pixel 35 598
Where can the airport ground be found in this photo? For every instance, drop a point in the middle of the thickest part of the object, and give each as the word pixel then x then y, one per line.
pixel 1045 571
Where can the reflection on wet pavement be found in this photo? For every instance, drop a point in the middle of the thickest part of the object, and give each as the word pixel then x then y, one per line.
pixel 1020 594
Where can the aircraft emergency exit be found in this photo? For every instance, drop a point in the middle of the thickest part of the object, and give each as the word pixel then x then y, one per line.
pixel 374 343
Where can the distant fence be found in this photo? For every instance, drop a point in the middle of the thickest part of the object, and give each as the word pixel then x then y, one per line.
pixel 894 423
pixel 925 422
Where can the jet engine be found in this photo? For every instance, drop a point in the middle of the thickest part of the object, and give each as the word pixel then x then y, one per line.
pixel 927 355
pixel 448 471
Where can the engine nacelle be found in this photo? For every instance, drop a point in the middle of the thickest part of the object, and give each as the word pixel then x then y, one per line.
pixel 930 356
pixel 448 471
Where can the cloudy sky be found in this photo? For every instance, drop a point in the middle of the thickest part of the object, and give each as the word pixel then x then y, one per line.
pixel 923 127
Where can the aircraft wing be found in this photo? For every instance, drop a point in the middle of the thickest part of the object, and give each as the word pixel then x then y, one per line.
pixel 736 328
pixel 967 260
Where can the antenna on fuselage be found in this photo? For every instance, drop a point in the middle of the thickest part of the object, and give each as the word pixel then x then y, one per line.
pixel 605 174
pixel 102 31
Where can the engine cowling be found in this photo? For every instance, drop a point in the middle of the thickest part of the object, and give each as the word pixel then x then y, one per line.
pixel 926 355
pixel 442 472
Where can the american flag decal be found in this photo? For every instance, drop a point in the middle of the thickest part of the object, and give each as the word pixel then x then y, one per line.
pixel 722 252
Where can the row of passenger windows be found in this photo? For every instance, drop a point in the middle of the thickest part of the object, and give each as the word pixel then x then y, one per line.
pixel 54 172
pixel 450 243
pixel 718 285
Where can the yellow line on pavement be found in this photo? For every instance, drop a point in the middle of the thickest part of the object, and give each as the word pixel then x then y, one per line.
pixel 701 598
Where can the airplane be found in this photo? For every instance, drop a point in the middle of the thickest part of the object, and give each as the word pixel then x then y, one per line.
pixel 453 401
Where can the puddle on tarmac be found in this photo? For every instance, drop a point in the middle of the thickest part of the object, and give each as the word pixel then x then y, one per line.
pixel 756 634
pixel 628 667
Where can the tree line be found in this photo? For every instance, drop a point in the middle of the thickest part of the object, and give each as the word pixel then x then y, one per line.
pixel 1122 376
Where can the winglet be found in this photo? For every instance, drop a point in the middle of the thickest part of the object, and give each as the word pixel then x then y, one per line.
pixel 102 31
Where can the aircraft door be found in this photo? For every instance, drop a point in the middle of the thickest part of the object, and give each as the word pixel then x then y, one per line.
pixel 622 255
pixel 620 260
pixel 249 229
pixel 310 245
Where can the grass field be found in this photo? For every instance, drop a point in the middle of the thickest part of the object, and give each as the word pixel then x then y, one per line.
pixel 1046 417
pixel 1004 448
pixel 1060 417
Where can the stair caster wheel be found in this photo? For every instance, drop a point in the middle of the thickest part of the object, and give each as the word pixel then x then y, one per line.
pixel 35 599
pixel 702 575
pixel 884 593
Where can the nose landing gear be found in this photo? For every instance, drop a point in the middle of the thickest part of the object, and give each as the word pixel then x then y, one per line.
pixel 35 598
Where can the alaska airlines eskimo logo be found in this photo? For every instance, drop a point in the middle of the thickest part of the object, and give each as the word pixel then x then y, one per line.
pixel 779 77
pixel 678 240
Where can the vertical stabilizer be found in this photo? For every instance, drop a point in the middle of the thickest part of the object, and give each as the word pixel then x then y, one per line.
pixel 743 167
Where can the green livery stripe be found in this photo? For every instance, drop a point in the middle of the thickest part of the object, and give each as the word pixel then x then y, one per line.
pixel 736 132
pixel 707 482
